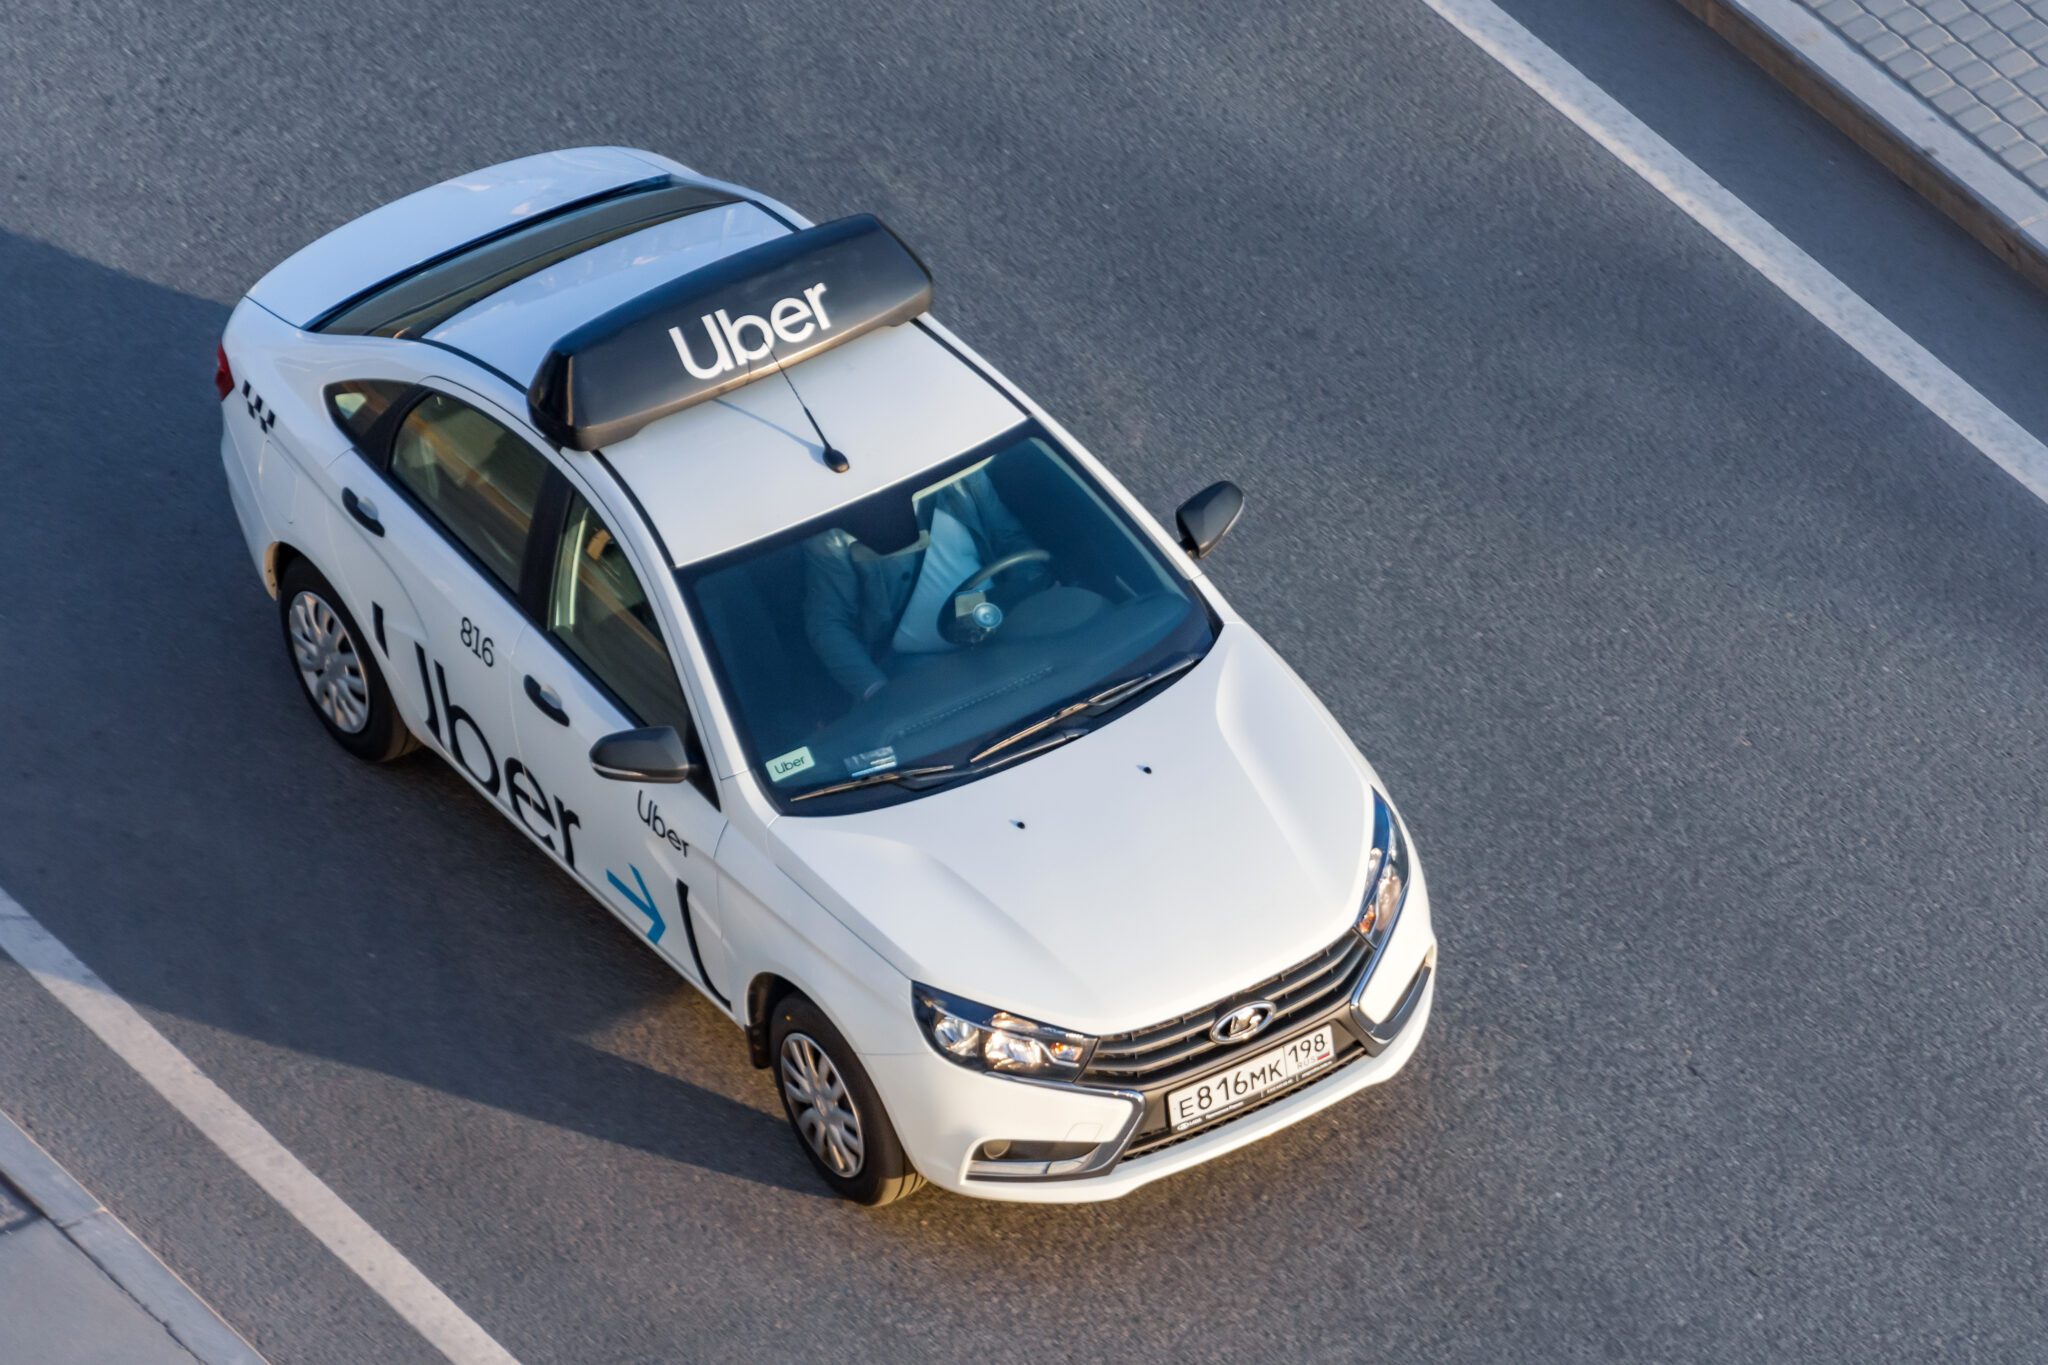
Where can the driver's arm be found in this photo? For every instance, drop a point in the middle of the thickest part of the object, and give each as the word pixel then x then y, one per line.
pixel 832 614
pixel 1000 529
pixel 1003 533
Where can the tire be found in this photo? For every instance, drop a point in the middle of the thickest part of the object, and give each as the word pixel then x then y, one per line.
pixel 879 1173
pixel 338 676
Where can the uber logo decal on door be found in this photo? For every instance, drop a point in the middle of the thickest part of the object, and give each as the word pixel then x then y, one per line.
pixel 519 787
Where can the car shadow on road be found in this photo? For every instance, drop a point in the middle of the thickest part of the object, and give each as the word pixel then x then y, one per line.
pixel 172 812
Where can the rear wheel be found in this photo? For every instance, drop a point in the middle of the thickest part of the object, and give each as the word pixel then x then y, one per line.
pixel 834 1110
pixel 340 678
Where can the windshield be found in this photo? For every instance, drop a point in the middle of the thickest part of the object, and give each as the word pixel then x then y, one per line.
pixel 907 633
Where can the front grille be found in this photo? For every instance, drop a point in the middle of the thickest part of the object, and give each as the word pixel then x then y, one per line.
pixel 1165 1053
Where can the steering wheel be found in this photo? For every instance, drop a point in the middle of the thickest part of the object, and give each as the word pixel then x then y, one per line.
pixel 967 630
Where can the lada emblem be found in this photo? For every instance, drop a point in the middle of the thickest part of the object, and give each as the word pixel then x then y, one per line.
pixel 1246 1021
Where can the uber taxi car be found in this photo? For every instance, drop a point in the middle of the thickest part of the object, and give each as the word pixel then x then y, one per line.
pixel 831 665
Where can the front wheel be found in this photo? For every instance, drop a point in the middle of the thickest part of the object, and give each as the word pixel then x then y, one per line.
pixel 340 678
pixel 834 1110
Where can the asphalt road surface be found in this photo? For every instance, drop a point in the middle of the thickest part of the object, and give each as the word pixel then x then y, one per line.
pixel 1707 668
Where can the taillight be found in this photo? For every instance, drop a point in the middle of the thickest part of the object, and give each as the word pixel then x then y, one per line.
pixel 223 377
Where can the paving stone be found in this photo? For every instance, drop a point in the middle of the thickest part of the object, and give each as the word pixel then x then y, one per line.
pixel 1840 11
pixel 2035 82
pixel 2037 175
pixel 2005 16
pixel 1883 8
pixel 1973 73
pixel 1928 84
pixel 1969 28
pixel 2032 34
pixel 1886 45
pixel 1952 58
pixel 1998 136
pixel 1994 92
pixel 2015 63
pixel 1908 22
pixel 1991 46
pixel 1944 11
pixel 2022 154
pixel 1907 65
pixel 1954 100
pixel 1862 29
pixel 1975 117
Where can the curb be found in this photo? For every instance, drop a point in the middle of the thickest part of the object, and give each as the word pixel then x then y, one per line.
pixel 119 1254
pixel 1798 50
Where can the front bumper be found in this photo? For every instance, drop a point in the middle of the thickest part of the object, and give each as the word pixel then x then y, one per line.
pixel 1118 1139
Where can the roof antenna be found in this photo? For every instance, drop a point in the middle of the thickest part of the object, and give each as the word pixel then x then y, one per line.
pixel 834 459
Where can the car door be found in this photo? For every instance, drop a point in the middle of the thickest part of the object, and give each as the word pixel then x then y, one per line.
pixel 453 514
pixel 598 664
pixel 351 543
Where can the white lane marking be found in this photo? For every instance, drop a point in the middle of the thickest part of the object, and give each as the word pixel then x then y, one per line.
pixel 245 1141
pixel 1804 280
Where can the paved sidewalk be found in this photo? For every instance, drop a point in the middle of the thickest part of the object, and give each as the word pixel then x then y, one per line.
pixel 77 1288
pixel 1952 95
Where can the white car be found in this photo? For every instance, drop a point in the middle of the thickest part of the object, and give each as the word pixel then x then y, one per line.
pixel 831 665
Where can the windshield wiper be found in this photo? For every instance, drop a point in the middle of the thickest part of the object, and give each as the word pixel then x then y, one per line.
pixel 874 779
pixel 1107 699
pixel 922 779
pixel 919 779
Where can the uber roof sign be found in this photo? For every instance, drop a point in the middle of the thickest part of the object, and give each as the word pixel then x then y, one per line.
pixel 730 323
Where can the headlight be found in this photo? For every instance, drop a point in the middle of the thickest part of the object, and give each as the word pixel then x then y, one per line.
pixel 1386 875
pixel 984 1039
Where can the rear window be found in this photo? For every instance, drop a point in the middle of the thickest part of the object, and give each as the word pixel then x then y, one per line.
pixel 419 300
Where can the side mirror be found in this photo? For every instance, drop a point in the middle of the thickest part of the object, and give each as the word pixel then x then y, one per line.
pixel 656 754
pixel 1208 516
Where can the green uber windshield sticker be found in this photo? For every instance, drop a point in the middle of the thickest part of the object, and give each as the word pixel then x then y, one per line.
pixel 790 764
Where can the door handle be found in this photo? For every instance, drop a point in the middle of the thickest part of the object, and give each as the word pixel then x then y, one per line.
pixel 544 697
pixel 363 510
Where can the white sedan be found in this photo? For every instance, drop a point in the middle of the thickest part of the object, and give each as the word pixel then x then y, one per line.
pixel 831 665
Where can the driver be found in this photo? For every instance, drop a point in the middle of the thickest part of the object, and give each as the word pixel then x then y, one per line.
pixel 863 608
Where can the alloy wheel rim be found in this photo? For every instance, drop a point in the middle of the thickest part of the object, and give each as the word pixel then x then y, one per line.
pixel 328 666
pixel 821 1106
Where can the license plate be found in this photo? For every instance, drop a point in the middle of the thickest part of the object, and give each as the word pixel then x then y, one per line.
pixel 1217 1095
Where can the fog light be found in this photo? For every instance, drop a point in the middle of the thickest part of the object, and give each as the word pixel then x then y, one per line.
pixel 1002 1149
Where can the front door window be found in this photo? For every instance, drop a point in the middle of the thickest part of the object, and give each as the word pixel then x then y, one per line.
pixel 599 612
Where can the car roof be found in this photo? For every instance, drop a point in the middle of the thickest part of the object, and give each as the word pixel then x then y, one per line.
pixel 511 330
pixel 748 463
pixel 729 471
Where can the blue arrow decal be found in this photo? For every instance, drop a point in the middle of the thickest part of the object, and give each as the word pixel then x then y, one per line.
pixel 643 900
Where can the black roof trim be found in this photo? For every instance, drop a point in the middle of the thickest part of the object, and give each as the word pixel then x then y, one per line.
pixel 732 322
pixel 423 296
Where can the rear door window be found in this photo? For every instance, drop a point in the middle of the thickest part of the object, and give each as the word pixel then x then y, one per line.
pixel 480 480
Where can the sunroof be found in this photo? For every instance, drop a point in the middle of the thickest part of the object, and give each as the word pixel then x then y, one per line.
pixel 419 300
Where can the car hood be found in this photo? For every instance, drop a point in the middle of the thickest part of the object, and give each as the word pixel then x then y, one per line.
pixel 1206 839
